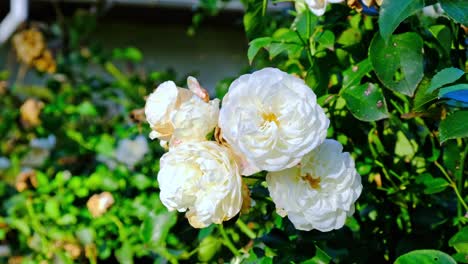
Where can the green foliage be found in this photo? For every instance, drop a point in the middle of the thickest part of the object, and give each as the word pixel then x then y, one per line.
pixel 425 257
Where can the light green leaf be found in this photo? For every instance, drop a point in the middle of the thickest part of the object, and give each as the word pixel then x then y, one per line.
pixel 460 240
pixel 366 102
pixel 255 46
pixel 52 208
pixel 399 63
pixel 155 227
pixel 392 13
pixel 353 75
pixel 326 40
pixel 445 76
pixel 454 126
pixel 350 37
pixel 456 9
pixel 425 256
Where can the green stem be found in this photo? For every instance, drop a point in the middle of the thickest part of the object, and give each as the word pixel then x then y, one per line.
pixel 453 185
pixel 227 242
pixel 245 229
pixel 306 45
pixel 460 176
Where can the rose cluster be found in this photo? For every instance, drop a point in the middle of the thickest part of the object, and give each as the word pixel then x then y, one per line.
pixel 269 121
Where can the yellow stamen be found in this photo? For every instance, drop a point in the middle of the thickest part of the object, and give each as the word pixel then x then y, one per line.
pixel 270 117
pixel 313 182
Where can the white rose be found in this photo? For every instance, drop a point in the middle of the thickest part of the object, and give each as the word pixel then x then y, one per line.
pixel 320 192
pixel 180 115
pixel 195 119
pixel 318 7
pixel 203 179
pixel 272 118
pixel 160 107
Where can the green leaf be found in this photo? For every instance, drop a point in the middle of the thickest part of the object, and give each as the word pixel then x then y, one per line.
pixel 52 208
pixel 454 126
pixel 366 102
pixel 456 9
pixel 125 254
pixel 445 76
pixel 392 13
pixel 399 63
pixel 460 240
pixel 453 88
pixel 444 37
pixel 425 256
pixel 305 23
pixel 350 37
pixel 405 147
pixel 321 257
pixel 460 257
pixel 326 40
pixel 255 46
pixel 432 185
pixel 353 75
pixel 422 97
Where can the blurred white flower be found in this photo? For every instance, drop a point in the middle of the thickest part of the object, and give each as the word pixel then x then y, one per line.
pixel 318 7
pixel 4 163
pixel 47 143
pixel 203 179
pixel 433 11
pixel 130 152
pixel 39 152
pixel 320 192
pixel 180 115
pixel 272 119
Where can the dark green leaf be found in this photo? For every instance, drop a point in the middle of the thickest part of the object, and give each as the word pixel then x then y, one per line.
pixel 425 256
pixel 392 13
pixel 445 76
pixel 432 185
pixel 321 257
pixel 366 102
pixel 454 126
pixel 456 9
pixel 444 37
pixel 399 63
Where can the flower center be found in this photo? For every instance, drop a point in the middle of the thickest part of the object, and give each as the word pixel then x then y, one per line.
pixel 313 182
pixel 270 117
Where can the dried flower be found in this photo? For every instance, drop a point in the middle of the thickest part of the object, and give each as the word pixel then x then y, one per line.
pixel 98 204
pixel 29 113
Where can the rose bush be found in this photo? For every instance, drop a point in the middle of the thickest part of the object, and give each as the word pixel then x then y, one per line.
pixel 79 181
